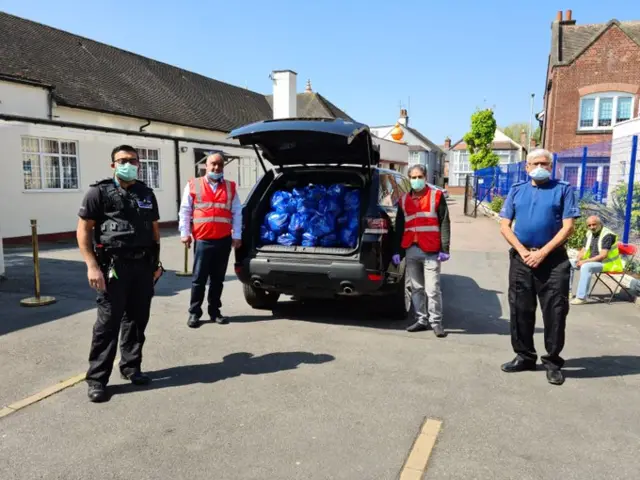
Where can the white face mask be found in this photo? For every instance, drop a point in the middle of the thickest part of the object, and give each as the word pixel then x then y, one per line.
pixel 540 174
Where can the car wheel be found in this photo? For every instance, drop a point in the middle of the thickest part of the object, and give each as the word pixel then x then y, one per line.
pixel 259 299
pixel 397 305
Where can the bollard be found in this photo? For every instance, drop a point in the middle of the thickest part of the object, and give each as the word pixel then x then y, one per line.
pixel 37 301
pixel 185 272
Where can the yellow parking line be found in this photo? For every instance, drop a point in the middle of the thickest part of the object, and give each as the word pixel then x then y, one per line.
pixel 416 463
pixel 47 392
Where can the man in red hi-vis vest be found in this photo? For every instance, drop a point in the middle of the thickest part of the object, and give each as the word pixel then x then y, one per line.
pixel 423 234
pixel 211 214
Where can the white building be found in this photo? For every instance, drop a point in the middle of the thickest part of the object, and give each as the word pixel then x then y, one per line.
pixel 393 155
pixel 421 149
pixel 458 156
pixel 66 101
pixel 621 148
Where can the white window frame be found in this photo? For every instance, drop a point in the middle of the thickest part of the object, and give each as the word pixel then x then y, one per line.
pixel 59 155
pixel 158 161
pixel 596 109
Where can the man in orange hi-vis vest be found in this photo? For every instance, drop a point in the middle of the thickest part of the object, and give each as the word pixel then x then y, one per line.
pixel 211 215
pixel 423 234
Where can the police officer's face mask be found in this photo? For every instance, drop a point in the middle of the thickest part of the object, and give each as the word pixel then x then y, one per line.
pixel 126 171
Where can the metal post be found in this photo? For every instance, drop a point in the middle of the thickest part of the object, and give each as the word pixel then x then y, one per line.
pixel 530 122
pixel 630 185
pixel 37 300
pixel 185 272
pixel 583 173
pixel 555 163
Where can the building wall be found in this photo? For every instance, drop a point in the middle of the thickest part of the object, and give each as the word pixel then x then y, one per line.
pixel 26 100
pixel 621 149
pixel 613 59
pixel 56 209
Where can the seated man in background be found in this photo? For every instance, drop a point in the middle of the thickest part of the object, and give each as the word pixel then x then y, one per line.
pixel 599 254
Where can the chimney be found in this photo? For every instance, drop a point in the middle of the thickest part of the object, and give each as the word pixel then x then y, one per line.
pixel 447 143
pixel 284 94
pixel 568 18
pixel 559 16
pixel 523 137
pixel 404 118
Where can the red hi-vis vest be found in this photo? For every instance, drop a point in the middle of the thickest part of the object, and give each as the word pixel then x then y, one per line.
pixel 422 226
pixel 212 217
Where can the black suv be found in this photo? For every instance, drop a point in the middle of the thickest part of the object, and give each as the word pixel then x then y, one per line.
pixel 321 152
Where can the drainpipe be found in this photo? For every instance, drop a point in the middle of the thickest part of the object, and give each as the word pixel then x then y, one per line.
pixel 176 149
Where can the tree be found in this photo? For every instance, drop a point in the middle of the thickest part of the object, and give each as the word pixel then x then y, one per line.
pixel 480 138
pixel 513 132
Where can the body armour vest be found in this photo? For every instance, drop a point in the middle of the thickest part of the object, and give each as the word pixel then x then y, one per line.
pixel 127 221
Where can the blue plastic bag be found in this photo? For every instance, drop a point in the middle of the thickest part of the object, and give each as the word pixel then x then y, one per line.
pixel 336 192
pixel 348 220
pixel 267 236
pixel 288 239
pixel 330 240
pixel 299 192
pixel 280 201
pixel 277 222
pixel 309 240
pixel 320 225
pixel 349 237
pixel 329 205
pixel 298 222
pixel 316 192
pixel 306 205
pixel 352 201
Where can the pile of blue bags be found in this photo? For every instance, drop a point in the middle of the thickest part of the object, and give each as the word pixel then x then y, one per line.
pixel 313 216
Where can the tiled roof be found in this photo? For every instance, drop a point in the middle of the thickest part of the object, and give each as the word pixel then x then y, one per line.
pixel 87 74
pixel 314 105
pixel 573 40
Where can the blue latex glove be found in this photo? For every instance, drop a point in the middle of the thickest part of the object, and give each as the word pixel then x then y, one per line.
pixel 396 259
pixel 443 257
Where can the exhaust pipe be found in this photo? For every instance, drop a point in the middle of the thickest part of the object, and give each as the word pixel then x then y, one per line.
pixel 347 289
pixel 257 283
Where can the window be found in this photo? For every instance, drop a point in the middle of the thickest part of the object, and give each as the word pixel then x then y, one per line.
pixel 603 110
pixel 49 164
pixel 149 171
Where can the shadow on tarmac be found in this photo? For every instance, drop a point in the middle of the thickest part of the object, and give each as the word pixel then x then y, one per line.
pixel 233 365
pixel 601 367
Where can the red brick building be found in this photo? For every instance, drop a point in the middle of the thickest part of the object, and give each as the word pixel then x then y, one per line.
pixel 593 81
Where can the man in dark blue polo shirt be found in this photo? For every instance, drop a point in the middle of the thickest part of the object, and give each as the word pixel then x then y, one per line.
pixel 537 219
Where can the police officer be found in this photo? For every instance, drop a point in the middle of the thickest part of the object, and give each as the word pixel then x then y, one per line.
pixel 119 239
pixel 544 212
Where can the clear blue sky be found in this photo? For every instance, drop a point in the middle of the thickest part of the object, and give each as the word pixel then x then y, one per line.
pixel 447 57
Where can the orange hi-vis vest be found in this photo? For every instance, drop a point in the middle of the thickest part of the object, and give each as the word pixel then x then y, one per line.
pixel 212 217
pixel 421 224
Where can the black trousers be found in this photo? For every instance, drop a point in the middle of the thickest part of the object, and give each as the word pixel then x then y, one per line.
pixel 123 308
pixel 548 283
pixel 210 261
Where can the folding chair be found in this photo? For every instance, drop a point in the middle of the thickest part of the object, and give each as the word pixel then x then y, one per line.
pixel 626 250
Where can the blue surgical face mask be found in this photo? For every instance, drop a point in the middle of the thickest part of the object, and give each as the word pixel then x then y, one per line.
pixel 126 171
pixel 215 176
pixel 539 174
pixel 417 183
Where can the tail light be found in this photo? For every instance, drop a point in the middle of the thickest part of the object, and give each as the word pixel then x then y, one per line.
pixel 377 225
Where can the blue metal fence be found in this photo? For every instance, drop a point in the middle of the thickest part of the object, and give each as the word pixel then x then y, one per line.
pixel 593 171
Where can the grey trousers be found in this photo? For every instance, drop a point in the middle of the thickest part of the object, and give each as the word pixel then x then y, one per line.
pixel 423 271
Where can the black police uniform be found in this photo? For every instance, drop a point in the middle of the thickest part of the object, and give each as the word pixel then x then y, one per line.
pixel 128 256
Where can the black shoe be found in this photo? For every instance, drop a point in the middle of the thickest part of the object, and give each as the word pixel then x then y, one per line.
pixel 97 393
pixel 137 378
pixel 555 376
pixel 518 365
pixel 194 321
pixel 438 331
pixel 417 327
pixel 220 319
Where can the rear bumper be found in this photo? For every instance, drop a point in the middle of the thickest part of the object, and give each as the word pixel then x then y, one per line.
pixel 327 278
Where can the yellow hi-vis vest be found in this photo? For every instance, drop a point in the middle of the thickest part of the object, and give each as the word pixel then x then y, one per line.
pixel 613 262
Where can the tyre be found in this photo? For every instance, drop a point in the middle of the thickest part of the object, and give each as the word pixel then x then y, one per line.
pixel 397 305
pixel 259 299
